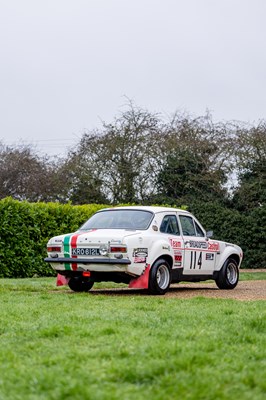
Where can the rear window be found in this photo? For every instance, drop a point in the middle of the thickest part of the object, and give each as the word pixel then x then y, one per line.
pixel 119 219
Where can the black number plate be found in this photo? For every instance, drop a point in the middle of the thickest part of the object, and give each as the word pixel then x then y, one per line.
pixel 84 251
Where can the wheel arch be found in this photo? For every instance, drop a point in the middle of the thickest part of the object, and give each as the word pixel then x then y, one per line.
pixel 230 253
pixel 160 249
pixel 166 257
pixel 235 257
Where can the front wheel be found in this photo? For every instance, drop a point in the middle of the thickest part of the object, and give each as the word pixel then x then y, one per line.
pixel 80 284
pixel 160 277
pixel 228 276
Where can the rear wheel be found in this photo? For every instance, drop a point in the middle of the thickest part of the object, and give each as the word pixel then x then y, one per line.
pixel 228 276
pixel 160 277
pixel 80 284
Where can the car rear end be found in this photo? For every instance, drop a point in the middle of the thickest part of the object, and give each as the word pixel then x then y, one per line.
pixel 88 252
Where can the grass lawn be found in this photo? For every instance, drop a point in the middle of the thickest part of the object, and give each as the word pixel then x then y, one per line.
pixel 56 344
pixel 249 276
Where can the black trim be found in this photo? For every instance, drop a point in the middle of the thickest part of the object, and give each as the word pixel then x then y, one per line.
pixel 117 277
pixel 178 275
pixel 111 261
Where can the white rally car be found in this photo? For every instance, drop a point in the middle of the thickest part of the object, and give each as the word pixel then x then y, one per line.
pixel 145 247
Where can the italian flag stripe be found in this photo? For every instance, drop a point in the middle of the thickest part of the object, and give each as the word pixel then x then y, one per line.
pixel 70 242
pixel 67 250
pixel 74 239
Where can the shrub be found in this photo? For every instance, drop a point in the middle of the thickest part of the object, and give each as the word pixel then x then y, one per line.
pixel 25 229
pixel 245 229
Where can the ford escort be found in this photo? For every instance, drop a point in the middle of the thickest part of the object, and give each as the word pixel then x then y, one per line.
pixel 145 247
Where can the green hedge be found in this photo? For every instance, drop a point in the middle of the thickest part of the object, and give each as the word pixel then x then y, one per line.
pixel 248 230
pixel 26 227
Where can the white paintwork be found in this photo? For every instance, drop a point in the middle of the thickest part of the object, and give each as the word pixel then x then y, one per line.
pixel 193 254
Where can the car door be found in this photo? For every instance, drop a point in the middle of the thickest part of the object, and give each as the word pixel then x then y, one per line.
pixel 170 229
pixel 198 259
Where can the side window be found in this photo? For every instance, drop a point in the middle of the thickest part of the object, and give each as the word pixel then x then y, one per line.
pixel 187 225
pixel 199 231
pixel 169 225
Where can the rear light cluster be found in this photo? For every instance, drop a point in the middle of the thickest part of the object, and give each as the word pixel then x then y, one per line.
pixel 103 249
pixel 118 249
pixel 52 249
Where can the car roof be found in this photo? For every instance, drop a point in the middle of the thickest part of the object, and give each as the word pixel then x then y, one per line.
pixel 154 209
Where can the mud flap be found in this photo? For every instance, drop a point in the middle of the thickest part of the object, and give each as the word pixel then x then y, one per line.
pixel 142 282
pixel 61 280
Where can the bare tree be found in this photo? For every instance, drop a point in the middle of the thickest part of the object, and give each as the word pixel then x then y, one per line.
pixel 123 156
pixel 26 176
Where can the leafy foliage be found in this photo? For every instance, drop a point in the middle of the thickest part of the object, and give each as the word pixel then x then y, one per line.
pixel 25 229
pixel 245 229
pixel 185 177
pixel 142 158
pixel 138 158
pixel 251 166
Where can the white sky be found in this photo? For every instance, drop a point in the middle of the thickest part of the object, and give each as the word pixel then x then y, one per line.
pixel 68 64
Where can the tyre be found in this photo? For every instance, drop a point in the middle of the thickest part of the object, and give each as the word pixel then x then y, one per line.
pixel 228 276
pixel 160 277
pixel 80 284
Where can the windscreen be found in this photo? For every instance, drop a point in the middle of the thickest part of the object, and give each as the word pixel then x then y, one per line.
pixel 119 219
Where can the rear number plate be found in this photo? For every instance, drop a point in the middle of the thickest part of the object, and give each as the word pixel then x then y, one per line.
pixel 81 251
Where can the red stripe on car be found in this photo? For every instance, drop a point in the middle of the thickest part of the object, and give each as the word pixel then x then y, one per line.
pixel 73 244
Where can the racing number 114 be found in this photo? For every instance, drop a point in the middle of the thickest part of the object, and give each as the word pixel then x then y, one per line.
pixel 194 261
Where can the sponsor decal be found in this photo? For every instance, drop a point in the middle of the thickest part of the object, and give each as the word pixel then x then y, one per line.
pixel 178 258
pixel 213 246
pixel 140 255
pixel 139 260
pixel 209 256
pixel 197 245
pixel 175 243
pixel 140 252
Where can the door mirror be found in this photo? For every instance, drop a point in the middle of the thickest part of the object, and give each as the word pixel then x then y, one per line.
pixel 209 234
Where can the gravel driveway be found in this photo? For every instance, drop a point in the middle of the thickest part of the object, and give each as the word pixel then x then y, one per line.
pixel 245 290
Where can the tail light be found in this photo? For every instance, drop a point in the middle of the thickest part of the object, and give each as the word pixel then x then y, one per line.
pixel 52 249
pixel 118 249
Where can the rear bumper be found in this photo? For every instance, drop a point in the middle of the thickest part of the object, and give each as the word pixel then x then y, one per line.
pixel 86 261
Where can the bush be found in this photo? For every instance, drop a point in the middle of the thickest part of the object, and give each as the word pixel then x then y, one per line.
pixel 245 229
pixel 25 229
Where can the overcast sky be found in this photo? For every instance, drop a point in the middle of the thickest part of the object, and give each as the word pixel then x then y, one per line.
pixel 68 64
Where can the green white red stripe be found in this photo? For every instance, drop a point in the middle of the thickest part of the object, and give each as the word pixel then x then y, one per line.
pixel 70 242
pixel 67 254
